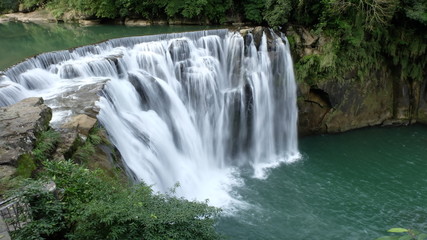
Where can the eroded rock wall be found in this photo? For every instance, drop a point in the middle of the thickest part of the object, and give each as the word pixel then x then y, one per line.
pixel 81 139
pixel 20 125
pixel 331 105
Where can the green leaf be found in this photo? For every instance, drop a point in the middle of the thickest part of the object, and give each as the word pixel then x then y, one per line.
pixel 398 230
pixel 406 237
pixel 422 236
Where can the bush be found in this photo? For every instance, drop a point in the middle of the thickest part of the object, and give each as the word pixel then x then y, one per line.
pixel 8 5
pixel 90 205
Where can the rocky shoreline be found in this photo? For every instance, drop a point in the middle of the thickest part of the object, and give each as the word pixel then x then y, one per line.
pixel 39 16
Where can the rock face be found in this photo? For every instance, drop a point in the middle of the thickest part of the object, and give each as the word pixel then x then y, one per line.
pixel 82 122
pixel 20 124
pixel 334 106
pixel 331 106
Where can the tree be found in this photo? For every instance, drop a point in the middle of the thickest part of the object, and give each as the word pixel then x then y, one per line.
pixel 375 13
pixel 278 12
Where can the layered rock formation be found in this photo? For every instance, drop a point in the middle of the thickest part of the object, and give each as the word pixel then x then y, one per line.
pixel 331 105
pixel 20 125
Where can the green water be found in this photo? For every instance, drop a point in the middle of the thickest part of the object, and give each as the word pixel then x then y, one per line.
pixel 19 41
pixel 354 185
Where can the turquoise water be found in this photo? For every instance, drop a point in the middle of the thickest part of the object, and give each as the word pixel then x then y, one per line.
pixel 19 41
pixel 354 185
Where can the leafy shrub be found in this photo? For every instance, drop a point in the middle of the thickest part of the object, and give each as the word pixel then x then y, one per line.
pixel 45 144
pixel 26 165
pixel 90 205
pixel 7 5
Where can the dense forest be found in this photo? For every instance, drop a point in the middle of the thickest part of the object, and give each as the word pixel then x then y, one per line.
pixel 362 35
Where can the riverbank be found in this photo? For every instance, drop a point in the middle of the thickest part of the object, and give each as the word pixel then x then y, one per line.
pixel 45 16
pixel 38 16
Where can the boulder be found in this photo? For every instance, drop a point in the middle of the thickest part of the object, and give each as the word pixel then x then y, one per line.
pixel 70 142
pixel 89 22
pixel 75 101
pixel 82 122
pixel 136 22
pixel 20 124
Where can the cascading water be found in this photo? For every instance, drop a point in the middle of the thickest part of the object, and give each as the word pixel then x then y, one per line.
pixel 190 108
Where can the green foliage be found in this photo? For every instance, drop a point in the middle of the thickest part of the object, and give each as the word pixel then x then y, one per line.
pixel 416 10
pixel 26 165
pixel 47 213
pixel 278 12
pixel 409 234
pixel 85 152
pixel 30 4
pixel 90 205
pixel 216 10
pixel 398 230
pixel 254 10
pixel 8 5
pixel 45 144
pixel 366 36
pixel 148 217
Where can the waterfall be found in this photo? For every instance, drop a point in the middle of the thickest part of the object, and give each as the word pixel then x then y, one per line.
pixel 192 108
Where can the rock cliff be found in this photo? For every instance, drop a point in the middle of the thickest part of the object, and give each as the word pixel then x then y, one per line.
pixel 20 125
pixel 332 105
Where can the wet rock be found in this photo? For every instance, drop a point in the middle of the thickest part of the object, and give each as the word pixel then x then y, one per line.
pixel 82 123
pixel 20 124
pixel 70 142
pixel 179 50
pixel 76 100
pixel 422 106
pixel 89 22
pixel 333 106
pixel 258 32
pixel 245 30
pixel 137 22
